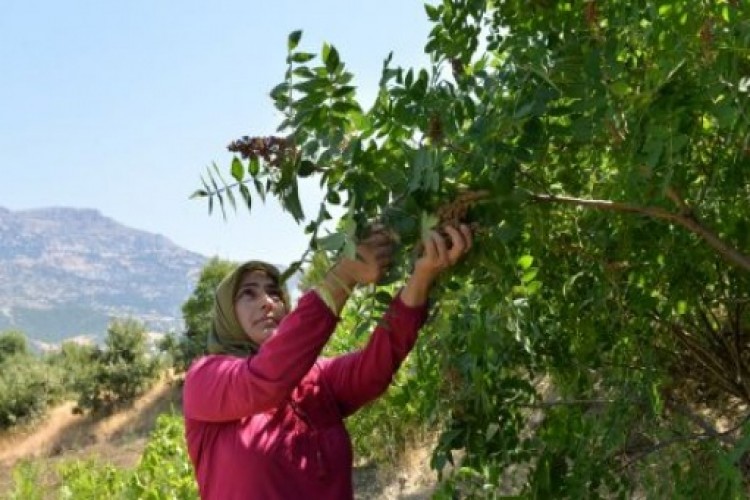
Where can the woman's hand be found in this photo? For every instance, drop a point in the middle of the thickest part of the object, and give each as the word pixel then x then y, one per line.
pixel 436 257
pixel 374 254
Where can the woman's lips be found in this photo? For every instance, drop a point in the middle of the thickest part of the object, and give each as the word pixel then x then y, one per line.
pixel 268 322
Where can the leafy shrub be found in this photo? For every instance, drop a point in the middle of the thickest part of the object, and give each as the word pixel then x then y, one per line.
pixel 121 371
pixel 12 342
pixel 91 479
pixel 164 470
pixel 75 363
pixel 27 387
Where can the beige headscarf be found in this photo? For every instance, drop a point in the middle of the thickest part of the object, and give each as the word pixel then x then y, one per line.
pixel 226 335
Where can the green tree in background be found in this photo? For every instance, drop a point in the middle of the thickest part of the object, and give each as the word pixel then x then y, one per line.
pixel 196 312
pixel 122 370
pixel 596 340
pixel 74 362
pixel 13 342
pixel 27 384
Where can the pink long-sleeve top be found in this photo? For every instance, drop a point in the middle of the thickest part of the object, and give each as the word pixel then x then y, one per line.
pixel 270 426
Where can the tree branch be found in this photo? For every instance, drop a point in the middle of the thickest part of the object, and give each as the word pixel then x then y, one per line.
pixel 708 429
pixel 709 433
pixel 688 222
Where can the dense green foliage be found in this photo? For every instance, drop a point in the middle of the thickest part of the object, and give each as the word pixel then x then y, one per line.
pixel 599 329
pixel 99 378
pixel 75 362
pixel 27 387
pixel 120 371
pixel 12 343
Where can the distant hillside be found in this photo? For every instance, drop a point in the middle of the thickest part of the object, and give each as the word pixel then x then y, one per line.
pixel 65 272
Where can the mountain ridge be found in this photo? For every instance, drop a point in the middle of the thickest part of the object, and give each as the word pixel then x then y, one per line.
pixel 68 271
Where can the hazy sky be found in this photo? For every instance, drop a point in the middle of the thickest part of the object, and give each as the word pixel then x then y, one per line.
pixel 120 106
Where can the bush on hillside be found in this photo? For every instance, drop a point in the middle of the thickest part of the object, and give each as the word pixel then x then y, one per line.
pixel 121 371
pixel 74 361
pixel 12 342
pixel 27 387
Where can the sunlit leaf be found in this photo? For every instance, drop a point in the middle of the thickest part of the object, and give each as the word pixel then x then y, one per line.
pixel 238 169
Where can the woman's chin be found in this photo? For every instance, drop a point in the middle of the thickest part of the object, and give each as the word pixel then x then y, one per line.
pixel 260 336
pixel 268 333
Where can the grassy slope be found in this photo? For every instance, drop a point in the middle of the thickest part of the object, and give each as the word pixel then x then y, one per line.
pixel 120 439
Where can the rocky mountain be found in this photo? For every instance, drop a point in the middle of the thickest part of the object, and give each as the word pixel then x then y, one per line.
pixel 66 272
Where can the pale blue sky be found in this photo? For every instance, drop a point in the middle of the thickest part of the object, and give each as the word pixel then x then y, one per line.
pixel 120 106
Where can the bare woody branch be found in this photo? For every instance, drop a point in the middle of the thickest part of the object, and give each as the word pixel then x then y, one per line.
pixel 689 222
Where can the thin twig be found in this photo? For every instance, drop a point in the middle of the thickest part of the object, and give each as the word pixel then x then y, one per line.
pixel 568 402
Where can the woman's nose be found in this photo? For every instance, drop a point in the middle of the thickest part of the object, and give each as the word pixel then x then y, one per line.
pixel 268 303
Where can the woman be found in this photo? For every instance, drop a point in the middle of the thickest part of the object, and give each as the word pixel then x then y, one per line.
pixel 263 414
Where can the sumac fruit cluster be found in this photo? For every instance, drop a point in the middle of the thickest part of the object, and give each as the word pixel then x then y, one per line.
pixel 273 150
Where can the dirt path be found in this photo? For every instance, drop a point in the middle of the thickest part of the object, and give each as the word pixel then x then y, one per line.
pixel 16 446
pixel 63 430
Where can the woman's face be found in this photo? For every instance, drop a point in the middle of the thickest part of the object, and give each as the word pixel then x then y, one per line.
pixel 258 305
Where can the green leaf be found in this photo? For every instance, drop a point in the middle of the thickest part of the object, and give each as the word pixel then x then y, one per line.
pixel 529 275
pixel 427 223
pixel 200 193
pixel 289 271
pixel 306 168
pixel 619 88
pixel 331 242
pixel 291 202
pixel 345 91
pixel 260 189
pixel 433 13
pixel 232 201
pixel 350 249
pixel 383 297
pixel 303 72
pixel 302 57
pixel 332 60
pixel 293 40
pixel 253 167
pixel 333 198
pixel 312 86
pixel 344 108
pixel 245 192
pixel 217 191
pixel 279 91
pixel 238 170
pixel 525 261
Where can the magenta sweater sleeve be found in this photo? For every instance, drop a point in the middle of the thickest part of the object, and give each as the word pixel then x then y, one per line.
pixel 221 387
pixel 361 376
